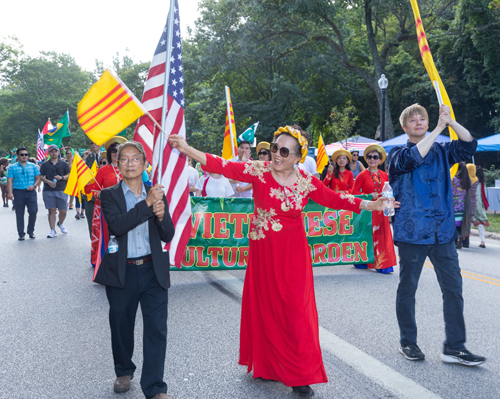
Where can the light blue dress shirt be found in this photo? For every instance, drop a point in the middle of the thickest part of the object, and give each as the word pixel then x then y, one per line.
pixel 138 238
pixel 23 176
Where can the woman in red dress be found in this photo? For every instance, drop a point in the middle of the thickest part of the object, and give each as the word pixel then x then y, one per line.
pixel 279 336
pixel 371 181
pixel 106 176
pixel 339 176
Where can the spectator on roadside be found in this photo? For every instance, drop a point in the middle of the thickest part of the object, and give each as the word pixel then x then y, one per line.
pixel 22 180
pixel 69 160
pixel 193 177
pixel 214 185
pixel 424 227
pixel 461 204
pixel 55 173
pixel 471 169
pixel 242 189
pixel 264 151
pixel 356 166
pixel 480 219
pixel 4 167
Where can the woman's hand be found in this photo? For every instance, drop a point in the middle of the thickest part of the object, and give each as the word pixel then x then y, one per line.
pixel 378 205
pixel 330 169
pixel 178 142
pixel 375 196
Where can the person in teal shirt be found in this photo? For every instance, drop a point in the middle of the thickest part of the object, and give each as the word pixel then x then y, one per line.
pixel 23 178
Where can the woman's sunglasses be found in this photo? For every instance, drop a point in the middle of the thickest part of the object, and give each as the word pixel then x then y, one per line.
pixel 263 152
pixel 113 150
pixel 375 157
pixel 284 152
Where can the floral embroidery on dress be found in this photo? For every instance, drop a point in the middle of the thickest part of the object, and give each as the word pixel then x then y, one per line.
pixel 293 196
pixel 224 161
pixel 261 223
pixel 349 197
pixel 257 168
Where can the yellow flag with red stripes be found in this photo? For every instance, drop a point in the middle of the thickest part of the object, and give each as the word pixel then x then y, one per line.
pixel 108 108
pixel 79 176
pixel 322 158
pixel 230 146
pixel 93 169
pixel 425 52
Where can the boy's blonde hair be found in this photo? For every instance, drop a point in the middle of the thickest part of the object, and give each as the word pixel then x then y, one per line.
pixel 412 110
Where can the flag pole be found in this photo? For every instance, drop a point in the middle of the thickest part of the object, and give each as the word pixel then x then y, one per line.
pixel 230 118
pixel 168 54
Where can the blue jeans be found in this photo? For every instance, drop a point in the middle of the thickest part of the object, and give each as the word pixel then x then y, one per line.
pixel 25 198
pixel 444 258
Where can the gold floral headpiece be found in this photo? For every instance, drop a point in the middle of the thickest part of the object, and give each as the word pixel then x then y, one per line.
pixel 301 139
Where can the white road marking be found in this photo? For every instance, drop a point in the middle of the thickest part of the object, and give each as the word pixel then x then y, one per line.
pixel 376 371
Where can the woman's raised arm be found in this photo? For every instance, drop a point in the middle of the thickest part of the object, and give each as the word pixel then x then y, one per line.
pixel 180 143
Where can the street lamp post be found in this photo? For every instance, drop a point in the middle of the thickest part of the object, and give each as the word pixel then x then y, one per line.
pixel 383 83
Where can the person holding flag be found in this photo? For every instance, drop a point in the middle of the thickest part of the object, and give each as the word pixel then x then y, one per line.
pixel 279 336
pixel 424 227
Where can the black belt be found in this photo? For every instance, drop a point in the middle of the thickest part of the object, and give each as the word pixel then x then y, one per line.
pixel 139 261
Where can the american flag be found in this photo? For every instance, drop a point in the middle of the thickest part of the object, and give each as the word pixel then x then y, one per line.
pixel 174 169
pixel 40 153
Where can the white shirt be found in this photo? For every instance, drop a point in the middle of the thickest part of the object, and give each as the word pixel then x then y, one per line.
pixel 194 176
pixel 244 194
pixel 215 187
pixel 309 165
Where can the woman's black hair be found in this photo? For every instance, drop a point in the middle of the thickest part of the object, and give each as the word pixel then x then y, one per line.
pixel 463 176
pixel 480 174
pixel 108 153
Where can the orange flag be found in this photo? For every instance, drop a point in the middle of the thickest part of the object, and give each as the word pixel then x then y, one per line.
pixel 425 51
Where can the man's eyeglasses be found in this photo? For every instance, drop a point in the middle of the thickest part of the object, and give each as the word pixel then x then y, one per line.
pixel 24 155
pixel 133 161
pixel 263 152
pixel 284 152
pixel 375 157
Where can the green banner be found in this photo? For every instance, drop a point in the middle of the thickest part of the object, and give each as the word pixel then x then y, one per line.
pixel 81 151
pixel 219 239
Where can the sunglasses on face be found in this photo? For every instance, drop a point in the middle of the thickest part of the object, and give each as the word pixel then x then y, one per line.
pixel 113 150
pixel 263 152
pixel 284 152
pixel 24 155
pixel 355 154
pixel 375 157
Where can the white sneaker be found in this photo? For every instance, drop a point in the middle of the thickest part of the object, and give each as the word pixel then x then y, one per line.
pixel 52 234
pixel 63 229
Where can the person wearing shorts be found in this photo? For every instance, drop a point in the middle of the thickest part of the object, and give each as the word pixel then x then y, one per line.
pixel 55 174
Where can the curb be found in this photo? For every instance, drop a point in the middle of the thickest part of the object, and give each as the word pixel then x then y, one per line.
pixel 494 236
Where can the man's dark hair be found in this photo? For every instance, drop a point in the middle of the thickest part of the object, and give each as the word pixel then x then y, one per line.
pixel 21 149
pixel 243 142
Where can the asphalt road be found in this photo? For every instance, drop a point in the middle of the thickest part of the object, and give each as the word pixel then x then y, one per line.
pixel 55 339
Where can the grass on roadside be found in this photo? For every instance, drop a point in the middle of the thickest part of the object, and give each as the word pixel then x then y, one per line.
pixel 494 223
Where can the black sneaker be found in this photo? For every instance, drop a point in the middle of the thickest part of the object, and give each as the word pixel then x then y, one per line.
pixel 21 238
pixel 411 352
pixel 32 236
pixel 462 357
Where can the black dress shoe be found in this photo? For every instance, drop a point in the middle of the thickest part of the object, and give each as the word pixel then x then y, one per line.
pixel 32 236
pixel 21 238
pixel 122 384
pixel 303 390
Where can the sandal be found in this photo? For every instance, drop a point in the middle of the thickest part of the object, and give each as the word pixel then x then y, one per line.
pixel 482 246
pixel 71 207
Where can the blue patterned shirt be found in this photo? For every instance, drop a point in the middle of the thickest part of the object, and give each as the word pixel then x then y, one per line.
pixel 24 177
pixel 138 238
